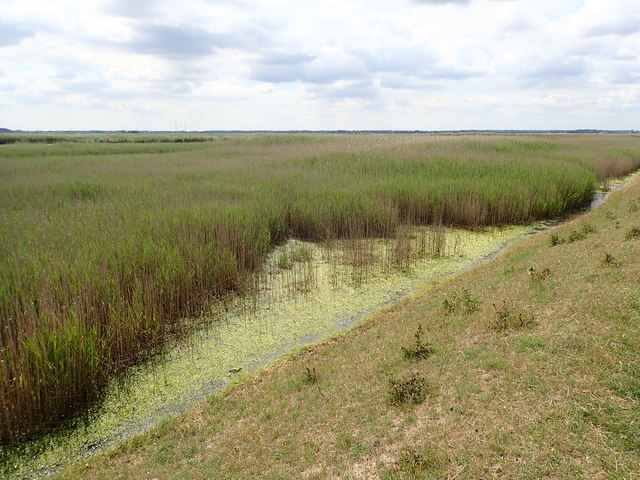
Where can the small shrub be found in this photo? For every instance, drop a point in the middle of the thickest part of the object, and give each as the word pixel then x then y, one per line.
pixel 538 277
pixel 633 206
pixel 415 463
pixel 633 233
pixel 556 239
pixel 469 303
pixel 508 317
pixel 461 301
pixel 310 376
pixel 576 236
pixel 411 389
pixel 420 349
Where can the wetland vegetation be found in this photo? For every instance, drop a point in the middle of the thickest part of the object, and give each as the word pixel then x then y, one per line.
pixel 109 243
pixel 532 372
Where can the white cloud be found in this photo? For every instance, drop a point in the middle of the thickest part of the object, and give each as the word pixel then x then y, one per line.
pixel 355 64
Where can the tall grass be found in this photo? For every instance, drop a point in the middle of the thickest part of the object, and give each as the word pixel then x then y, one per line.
pixel 105 248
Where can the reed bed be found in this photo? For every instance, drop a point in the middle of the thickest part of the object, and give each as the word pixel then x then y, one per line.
pixel 107 245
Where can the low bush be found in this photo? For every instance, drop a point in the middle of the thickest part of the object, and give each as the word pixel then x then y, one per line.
pixel 420 349
pixel 411 389
pixel 461 302
pixel 509 317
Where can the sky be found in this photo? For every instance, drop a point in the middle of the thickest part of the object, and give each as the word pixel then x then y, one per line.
pixel 321 65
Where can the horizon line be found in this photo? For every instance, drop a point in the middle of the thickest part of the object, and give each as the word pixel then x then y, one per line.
pixel 346 131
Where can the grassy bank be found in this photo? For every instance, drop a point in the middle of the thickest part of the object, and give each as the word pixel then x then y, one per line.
pixel 526 368
pixel 108 243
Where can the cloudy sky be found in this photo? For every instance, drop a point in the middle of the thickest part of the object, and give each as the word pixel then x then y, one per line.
pixel 326 64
